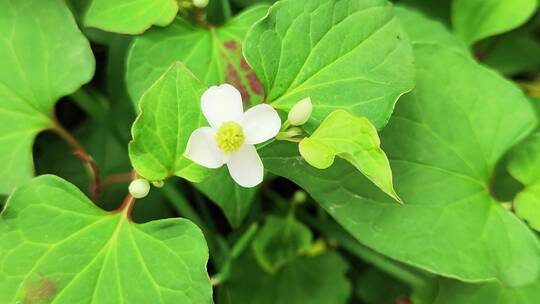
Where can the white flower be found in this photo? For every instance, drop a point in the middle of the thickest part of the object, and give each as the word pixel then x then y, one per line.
pixel 232 134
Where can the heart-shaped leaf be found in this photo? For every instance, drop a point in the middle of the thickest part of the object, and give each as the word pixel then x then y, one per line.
pixel 443 143
pixel 349 54
pixel 280 241
pixel 57 247
pixel 214 55
pixel 169 112
pixel 354 139
pixel 44 57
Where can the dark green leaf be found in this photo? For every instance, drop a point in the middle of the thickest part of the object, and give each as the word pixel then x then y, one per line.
pixel 309 280
pixel 233 199
pixel 280 241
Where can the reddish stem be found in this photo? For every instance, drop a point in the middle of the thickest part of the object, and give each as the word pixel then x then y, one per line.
pixel 127 206
pixel 119 178
pixel 87 159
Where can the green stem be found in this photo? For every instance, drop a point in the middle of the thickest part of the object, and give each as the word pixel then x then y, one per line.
pixel 96 105
pixel 285 125
pixel 206 216
pixel 280 202
pixel 261 146
pixel 91 102
pixel 181 204
pixel 238 248
pixel 80 152
pixel 183 207
pixel 227 11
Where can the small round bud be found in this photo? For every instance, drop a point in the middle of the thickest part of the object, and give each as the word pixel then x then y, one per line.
pixel 299 197
pixel 139 188
pixel 158 184
pixel 300 112
pixel 316 248
pixel 200 3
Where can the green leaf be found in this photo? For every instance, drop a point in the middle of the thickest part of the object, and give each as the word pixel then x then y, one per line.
pixel 437 32
pixel 455 292
pixel 513 53
pixel 44 57
pixel 474 20
pixel 234 200
pixel 280 241
pixel 246 3
pixel 524 165
pixel 376 287
pixel 214 55
pixel 56 246
pixel 128 16
pixel 349 54
pixel 169 112
pixel 354 139
pixel 443 143
pixel 308 280
pixel 439 9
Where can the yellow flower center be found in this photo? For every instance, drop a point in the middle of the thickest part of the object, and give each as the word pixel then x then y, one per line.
pixel 230 137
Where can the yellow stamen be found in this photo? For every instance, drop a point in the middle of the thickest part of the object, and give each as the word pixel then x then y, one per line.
pixel 230 137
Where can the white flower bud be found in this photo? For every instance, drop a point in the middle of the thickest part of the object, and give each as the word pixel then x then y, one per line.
pixel 200 3
pixel 139 188
pixel 300 112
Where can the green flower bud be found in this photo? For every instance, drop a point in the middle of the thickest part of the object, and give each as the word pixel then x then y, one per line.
pixel 299 197
pixel 158 184
pixel 200 3
pixel 139 188
pixel 300 112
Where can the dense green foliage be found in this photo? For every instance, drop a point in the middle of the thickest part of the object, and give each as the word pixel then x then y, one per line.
pixel 414 179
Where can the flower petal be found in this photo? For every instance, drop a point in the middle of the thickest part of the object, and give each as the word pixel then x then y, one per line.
pixel 220 104
pixel 260 124
pixel 203 150
pixel 246 167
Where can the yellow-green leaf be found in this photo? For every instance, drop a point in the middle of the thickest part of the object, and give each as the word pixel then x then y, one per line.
pixel 354 139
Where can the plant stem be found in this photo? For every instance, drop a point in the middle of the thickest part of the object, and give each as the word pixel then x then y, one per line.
pixel 127 206
pixel 183 207
pixel 93 103
pixel 181 204
pixel 234 253
pixel 120 178
pixel 206 216
pixel 78 149
pixel 227 11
